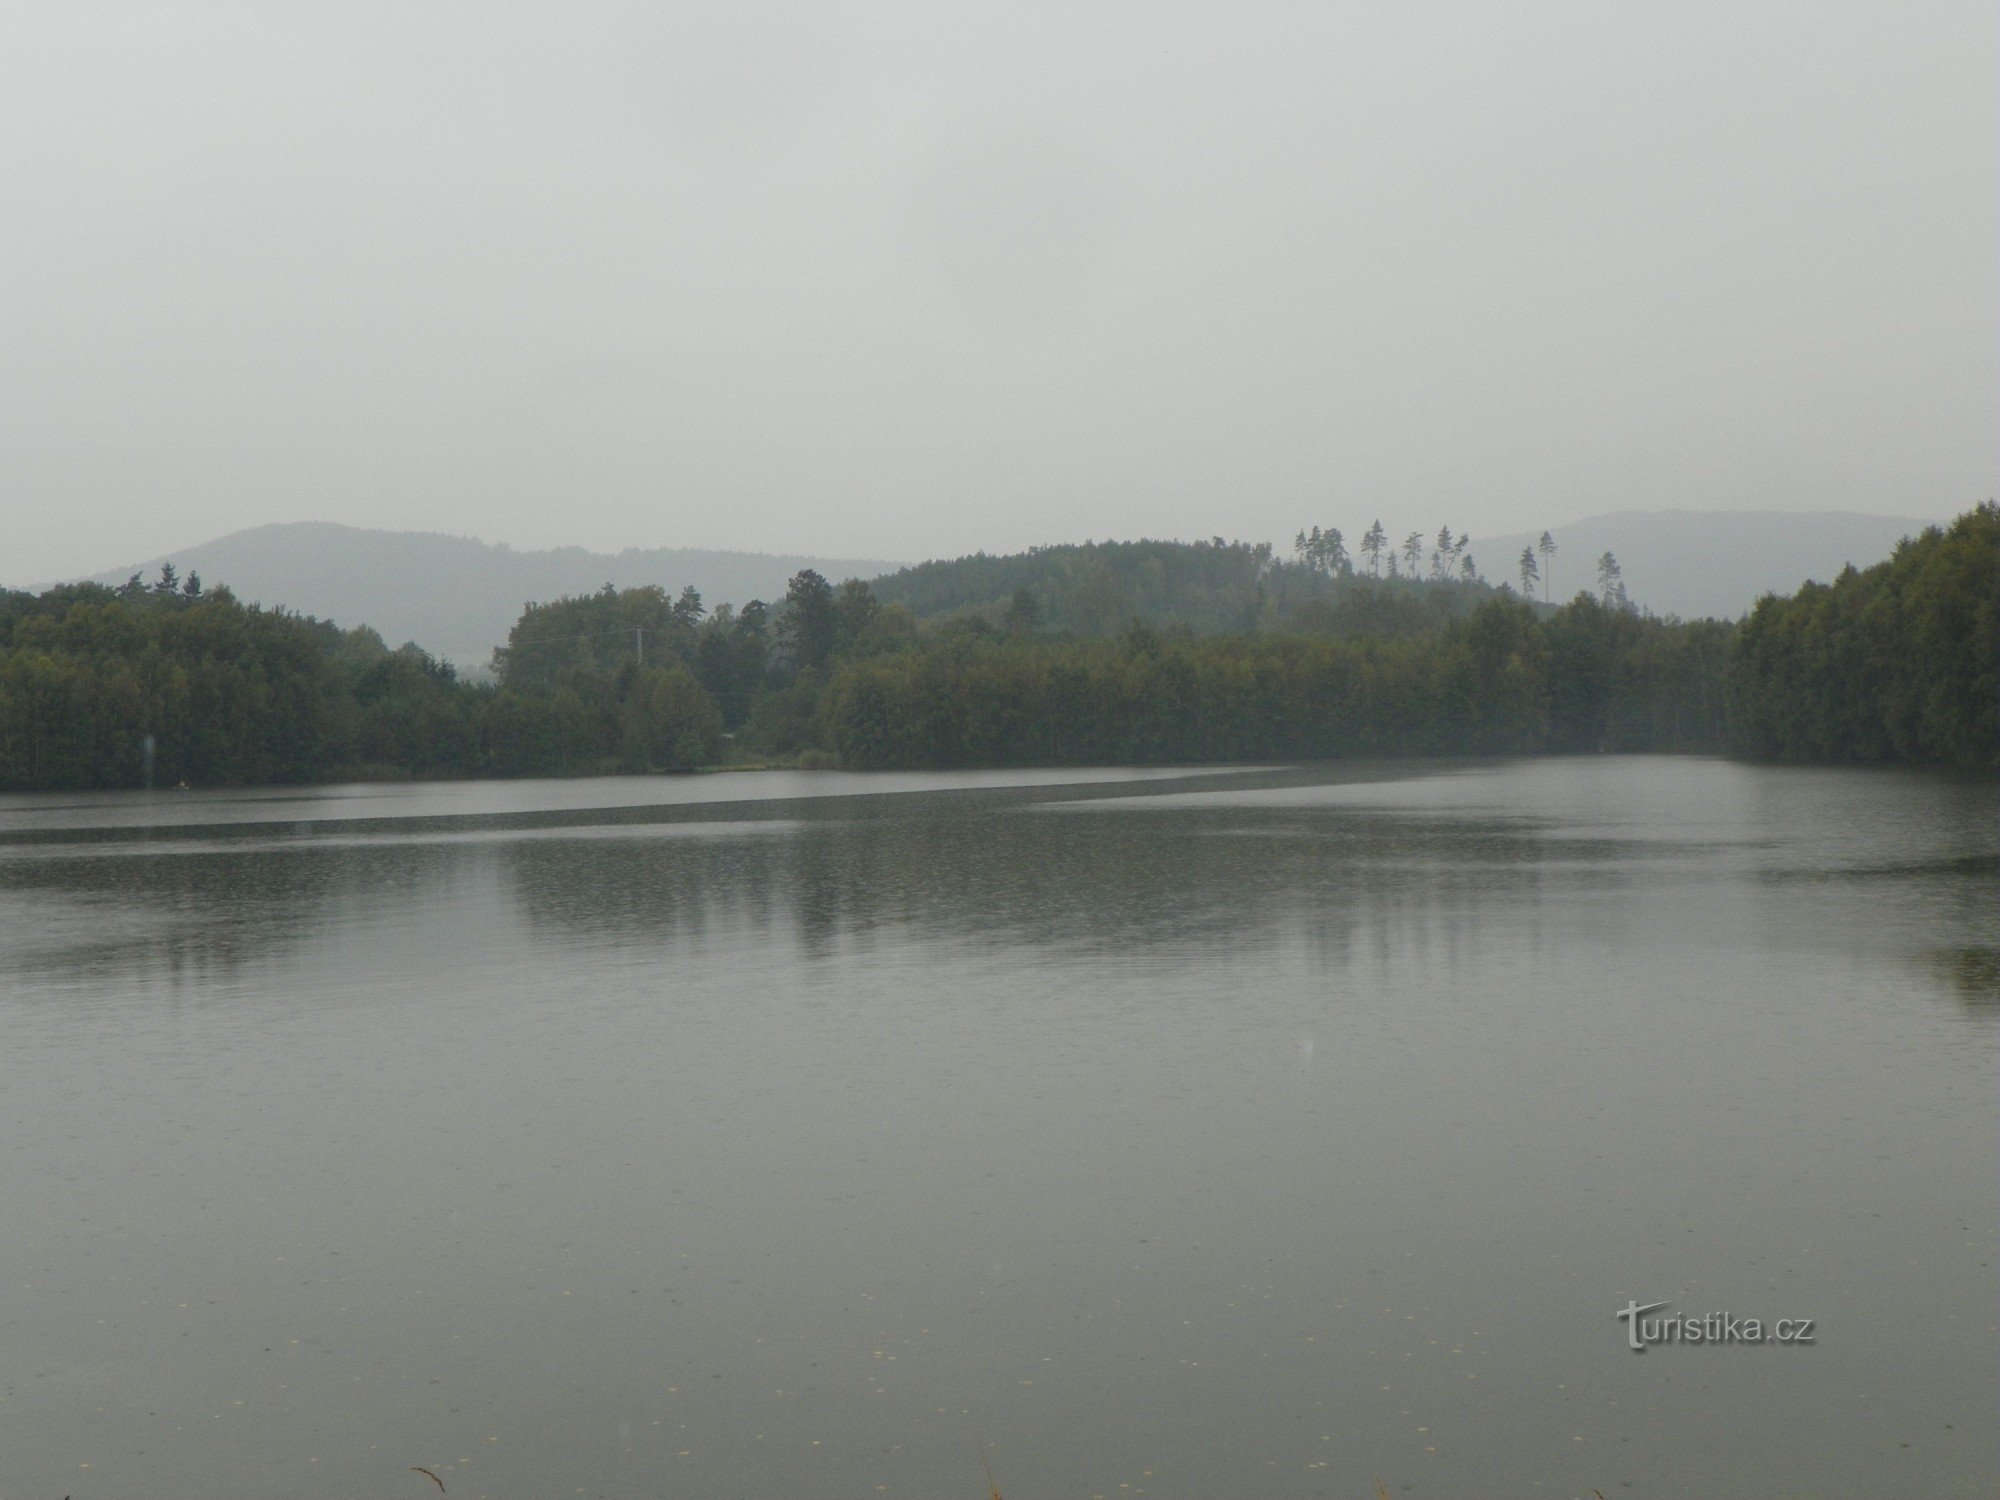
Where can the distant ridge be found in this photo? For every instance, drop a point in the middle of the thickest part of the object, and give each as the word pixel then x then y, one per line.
pixel 1694 564
pixel 455 596
pixel 458 597
pixel 1704 563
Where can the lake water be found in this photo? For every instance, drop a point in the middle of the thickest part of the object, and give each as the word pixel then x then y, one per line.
pixel 1226 1134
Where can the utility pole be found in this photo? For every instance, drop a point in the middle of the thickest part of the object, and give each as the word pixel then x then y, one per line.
pixel 639 643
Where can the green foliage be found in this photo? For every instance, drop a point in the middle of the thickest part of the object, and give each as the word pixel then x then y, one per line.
pixel 1211 588
pixel 619 681
pixel 787 719
pixel 811 625
pixel 1895 663
pixel 1620 681
pixel 667 722
pixel 1095 588
pixel 596 634
pixel 1024 612
pixel 227 693
pixel 236 695
pixel 1302 600
pixel 1112 653
pixel 1323 551
pixel 404 713
pixel 732 659
pixel 1479 686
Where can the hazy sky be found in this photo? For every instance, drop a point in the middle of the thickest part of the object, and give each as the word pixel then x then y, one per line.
pixel 907 279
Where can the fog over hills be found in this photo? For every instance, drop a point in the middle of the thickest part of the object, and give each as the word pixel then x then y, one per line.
pixel 458 597
pixel 1700 563
pixel 455 596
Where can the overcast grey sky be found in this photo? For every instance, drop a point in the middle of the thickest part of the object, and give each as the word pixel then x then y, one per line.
pixel 908 279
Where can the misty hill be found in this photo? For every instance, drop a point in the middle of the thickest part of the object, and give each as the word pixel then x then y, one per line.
pixel 1698 563
pixel 1685 563
pixel 458 597
pixel 1094 588
pixel 455 596
pixel 1211 588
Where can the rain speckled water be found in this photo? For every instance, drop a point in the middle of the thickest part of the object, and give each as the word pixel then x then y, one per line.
pixel 1251 1134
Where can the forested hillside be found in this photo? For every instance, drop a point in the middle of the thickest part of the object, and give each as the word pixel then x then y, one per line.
pixel 1499 681
pixel 452 595
pixel 168 682
pixel 1687 563
pixel 1709 564
pixel 91 676
pixel 1215 587
pixel 1093 588
pixel 1893 663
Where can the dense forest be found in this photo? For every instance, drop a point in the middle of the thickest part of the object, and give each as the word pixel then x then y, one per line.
pixel 1215 587
pixel 1894 663
pixel 171 682
pixel 1501 680
pixel 1139 652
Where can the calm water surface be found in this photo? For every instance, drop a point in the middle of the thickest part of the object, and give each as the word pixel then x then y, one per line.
pixel 1203 1134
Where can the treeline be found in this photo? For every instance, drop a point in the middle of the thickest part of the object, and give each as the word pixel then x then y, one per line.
pixel 162 686
pixel 757 671
pixel 1216 587
pixel 168 683
pixel 1894 663
pixel 1093 588
pixel 1502 680
pixel 103 687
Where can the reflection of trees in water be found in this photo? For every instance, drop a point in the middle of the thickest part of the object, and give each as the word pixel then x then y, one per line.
pixel 671 888
pixel 1195 880
pixel 193 918
pixel 1011 873
pixel 1972 973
